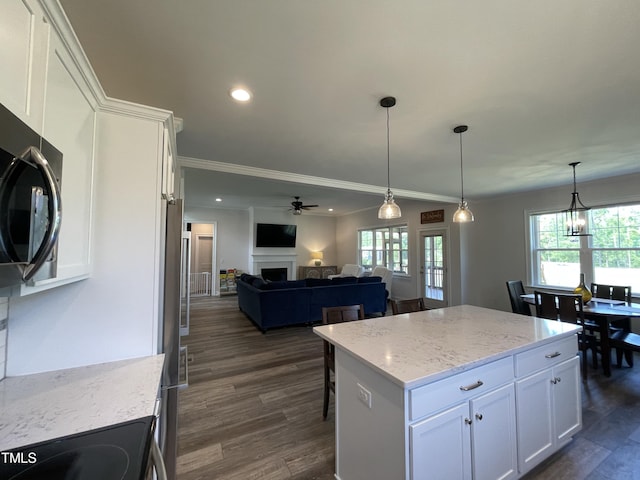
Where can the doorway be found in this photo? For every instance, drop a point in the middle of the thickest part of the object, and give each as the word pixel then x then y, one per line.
pixel 434 279
pixel 202 259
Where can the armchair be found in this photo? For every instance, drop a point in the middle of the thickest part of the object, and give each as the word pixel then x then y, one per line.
pixel 386 274
pixel 349 270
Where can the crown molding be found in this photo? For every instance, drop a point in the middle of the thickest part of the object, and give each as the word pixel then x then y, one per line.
pixel 102 102
pixel 216 166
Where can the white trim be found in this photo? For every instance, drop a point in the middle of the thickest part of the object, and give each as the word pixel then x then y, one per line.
pixel 216 166
pixel 101 101
pixel 447 263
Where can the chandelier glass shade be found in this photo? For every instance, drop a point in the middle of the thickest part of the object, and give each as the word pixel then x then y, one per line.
pixel 389 208
pixel 462 214
pixel 576 214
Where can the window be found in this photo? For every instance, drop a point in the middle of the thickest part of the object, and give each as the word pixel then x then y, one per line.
pixel 386 247
pixel 610 255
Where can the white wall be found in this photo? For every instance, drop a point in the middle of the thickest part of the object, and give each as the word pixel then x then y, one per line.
pixel 496 249
pixel 114 314
pixel 232 234
pixel 236 236
pixel 403 286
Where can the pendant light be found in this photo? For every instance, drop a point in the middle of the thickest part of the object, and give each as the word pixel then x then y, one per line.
pixel 576 214
pixel 389 208
pixel 462 214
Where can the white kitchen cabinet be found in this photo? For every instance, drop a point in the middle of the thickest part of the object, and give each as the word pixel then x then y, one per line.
pixel 461 441
pixel 168 165
pixel 548 409
pixel 441 445
pixel 23 56
pixel 70 125
pixel 443 394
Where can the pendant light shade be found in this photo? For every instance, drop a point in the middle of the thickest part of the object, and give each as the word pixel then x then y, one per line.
pixel 462 214
pixel 576 214
pixel 389 208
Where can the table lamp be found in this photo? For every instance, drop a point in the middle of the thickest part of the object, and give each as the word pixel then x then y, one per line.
pixel 317 256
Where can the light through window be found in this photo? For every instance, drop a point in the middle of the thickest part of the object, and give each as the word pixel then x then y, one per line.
pixel 610 255
pixel 387 247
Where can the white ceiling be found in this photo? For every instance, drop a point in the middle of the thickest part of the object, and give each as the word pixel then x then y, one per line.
pixel 540 84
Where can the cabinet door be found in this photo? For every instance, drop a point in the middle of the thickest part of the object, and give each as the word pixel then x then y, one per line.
pixel 440 446
pixel 168 167
pixel 567 407
pixel 23 56
pixel 493 439
pixel 534 419
pixel 69 124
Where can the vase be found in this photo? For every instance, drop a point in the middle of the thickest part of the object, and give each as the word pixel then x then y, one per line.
pixel 583 290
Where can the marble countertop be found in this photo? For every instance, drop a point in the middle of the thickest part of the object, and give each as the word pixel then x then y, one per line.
pixel 42 406
pixel 418 348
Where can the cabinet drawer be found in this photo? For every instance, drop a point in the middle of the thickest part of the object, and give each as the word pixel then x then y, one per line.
pixel 546 356
pixel 463 386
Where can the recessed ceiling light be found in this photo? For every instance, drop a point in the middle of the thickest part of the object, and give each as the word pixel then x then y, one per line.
pixel 330 209
pixel 218 199
pixel 241 94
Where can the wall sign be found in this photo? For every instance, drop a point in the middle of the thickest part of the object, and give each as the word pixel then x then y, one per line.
pixel 432 216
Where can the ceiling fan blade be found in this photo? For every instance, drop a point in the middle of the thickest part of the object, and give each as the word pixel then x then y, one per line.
pixel 306 207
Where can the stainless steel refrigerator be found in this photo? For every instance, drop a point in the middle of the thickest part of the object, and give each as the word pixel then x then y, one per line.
pixel 175 324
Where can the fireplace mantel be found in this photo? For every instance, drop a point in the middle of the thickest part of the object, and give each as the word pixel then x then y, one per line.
pixel 277 260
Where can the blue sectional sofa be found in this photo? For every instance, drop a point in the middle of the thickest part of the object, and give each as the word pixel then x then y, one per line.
pixel 278 304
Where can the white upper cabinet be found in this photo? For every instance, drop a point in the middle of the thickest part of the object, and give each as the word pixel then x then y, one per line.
pixel 70 126
pixel 24 38
pixel 168 165
pixel 45 83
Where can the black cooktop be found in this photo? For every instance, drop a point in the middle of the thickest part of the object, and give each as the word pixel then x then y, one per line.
pixel 116 452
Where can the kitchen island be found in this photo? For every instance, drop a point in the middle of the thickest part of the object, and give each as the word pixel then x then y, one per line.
pixel 459 392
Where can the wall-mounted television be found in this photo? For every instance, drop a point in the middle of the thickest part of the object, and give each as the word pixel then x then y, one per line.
pixel 275 235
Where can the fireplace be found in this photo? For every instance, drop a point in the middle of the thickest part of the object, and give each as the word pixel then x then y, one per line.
pixel 275 261
pixel 274 274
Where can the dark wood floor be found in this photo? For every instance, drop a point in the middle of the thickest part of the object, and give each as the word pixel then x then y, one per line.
pixel 253 409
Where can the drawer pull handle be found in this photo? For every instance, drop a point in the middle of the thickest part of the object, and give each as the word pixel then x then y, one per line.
pixel 468 421
pixel 552 355
pixel 479 416
pixel 479 383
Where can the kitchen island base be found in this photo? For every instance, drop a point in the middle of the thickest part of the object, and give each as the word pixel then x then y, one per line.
pixel 497 417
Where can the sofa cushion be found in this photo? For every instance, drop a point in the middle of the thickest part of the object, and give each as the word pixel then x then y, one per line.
pixel 257 282
pixel 369 279
pixel 344 280
pixel 317 282
pixel 284 284
pixel 250 279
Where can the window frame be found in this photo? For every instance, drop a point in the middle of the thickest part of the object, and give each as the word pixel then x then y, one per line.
pixel 585 247
pixel 387 252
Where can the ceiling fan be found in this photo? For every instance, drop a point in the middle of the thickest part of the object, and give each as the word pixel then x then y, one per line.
pixel 297 206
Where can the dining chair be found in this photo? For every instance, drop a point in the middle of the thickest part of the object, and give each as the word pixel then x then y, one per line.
pixel 516 289
pixel 614 292
pixel 569 308
pixel 611 292
pixel 332 315
pixel 625 343
pixel 407 306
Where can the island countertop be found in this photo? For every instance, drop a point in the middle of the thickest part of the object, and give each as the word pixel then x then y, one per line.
pixel 43 406
pixel 418 348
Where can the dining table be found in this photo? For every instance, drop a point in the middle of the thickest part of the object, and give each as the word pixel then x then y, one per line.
pixel 603 312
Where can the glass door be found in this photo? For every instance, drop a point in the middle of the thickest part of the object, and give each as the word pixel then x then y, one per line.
pixel 433 268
